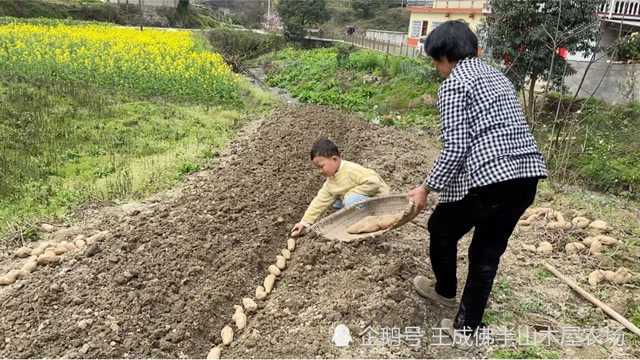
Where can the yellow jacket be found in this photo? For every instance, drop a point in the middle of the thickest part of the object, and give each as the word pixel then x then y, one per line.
pixel 350 178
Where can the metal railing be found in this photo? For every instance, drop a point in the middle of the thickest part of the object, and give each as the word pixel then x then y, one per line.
pixel 387 47
pixel 617 9
pixel 146 3
pixel 449 4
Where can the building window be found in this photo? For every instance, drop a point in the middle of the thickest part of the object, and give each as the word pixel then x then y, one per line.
pixel 416 28
pixel 425 27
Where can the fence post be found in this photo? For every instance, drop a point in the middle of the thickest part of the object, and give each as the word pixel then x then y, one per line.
pixel 386 57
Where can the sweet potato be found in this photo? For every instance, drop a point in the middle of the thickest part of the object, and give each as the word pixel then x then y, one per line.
pixel 599 225
pixel 580 222
pixel 240 318
pixel 48 258
pixel 249 305
pixel 595 248
pixel 7 279
pixel 574 247
pixel 366 225
pixel 260 293
pixel 59 250
pixel 544 247
pixel 269 281
pixel 274 270
pixel 214 353
pixel 606 240
pixel 19 274
pixel 227 335
pixel 622 276
pixel 608 275
pixel 23 252
pixel 595 277
pixel 39 250
pixel 31 264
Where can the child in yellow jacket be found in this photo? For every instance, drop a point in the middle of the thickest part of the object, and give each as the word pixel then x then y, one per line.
pixel 347 183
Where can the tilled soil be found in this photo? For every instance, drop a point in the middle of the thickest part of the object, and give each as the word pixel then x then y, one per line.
pixel 164 280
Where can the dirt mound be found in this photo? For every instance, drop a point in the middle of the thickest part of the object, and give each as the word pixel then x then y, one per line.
pixel 164 282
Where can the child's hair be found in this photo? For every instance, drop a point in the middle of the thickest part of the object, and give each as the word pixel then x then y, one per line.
pixel 324 147
pixel 452 40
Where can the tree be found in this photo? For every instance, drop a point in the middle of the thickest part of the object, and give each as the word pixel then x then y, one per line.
pixel 183 6
pixel 532 38
pixel 365 9
pixel 297 15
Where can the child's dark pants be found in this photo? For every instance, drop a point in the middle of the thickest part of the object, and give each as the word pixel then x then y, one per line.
pixel 493 211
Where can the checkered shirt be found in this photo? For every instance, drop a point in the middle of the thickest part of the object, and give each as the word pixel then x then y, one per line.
pixel 485 135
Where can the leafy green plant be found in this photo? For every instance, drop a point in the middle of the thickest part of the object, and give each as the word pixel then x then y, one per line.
pixel 396 91
pixel 188 168
pixel 628 48
pixel 602 152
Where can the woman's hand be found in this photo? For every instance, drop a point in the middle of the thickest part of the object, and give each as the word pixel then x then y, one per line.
pixel 419 197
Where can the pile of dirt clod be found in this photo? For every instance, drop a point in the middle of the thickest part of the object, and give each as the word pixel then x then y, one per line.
pixel 164 280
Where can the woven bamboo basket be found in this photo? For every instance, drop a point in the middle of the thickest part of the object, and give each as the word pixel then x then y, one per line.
pixel 334 226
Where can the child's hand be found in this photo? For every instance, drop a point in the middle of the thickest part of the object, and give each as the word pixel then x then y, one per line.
pixel 298 229
pixel 419 197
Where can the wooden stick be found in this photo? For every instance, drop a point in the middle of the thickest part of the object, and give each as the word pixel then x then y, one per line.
pixel 572 284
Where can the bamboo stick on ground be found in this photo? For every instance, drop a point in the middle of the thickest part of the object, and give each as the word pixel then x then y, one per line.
pixel 572 284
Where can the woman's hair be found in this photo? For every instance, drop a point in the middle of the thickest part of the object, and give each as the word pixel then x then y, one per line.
pixel 452 40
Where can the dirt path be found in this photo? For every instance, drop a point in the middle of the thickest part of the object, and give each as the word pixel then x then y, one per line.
pixel 163 280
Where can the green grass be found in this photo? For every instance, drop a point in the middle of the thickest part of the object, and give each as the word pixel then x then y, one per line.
pixel 502 290
pixel 63 145
pixel 495 317
pixel 634 315
pixel 532 305
pixel 99 11
pixel 603 151
pixel 387 90
pixel 543 274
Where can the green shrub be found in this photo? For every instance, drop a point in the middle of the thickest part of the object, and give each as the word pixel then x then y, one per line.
pixel 387 89
pixel 603 149
pixel 628 48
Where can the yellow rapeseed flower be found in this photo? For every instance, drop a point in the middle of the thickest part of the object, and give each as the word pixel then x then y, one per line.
pixel 151 62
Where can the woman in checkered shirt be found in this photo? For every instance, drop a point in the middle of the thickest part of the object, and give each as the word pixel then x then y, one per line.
pixel 486 174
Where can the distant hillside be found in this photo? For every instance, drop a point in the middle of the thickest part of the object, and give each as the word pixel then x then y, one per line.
pixel 364 14
pixel 367 14
pixel 96 10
